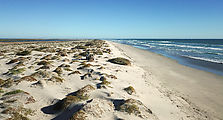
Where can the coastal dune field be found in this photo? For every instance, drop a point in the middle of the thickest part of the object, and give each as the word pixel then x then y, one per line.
pixel 102 80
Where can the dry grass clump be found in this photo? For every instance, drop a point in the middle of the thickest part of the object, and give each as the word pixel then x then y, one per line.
pixel 83 92
pixel 18 116
pixel 81 47
pixel 20 64
pixel 130 106
pixel 120 61
pixel 56 79
pixel 68 69
pixel 78 96
pixel 84 53
pixel 95 43
pixel 1 90
pixel 16 60
pixel 16 71
pixel 100 68
pixel 107 51
pixel 112 76
pixel 90 57
pixel 19 113
pixel 44 62
pixel 28 78
pixel 58 70
pixel 105 82
pixel 55 58
pixel 98 52
pixel 68 100
pixel 40 49
pixel 24 53
pixel 80 115
pixel 85 76
pixel 77 56
pixel 62 53
pixel 136 107
pixel 84 65
pixel 44 67
pixel 130 109
pixel 47 57
pixel 65 60
pixel 74 72
pixel 6 83
pixel 41 74
pixel 103 78
pixel 64 65
pixel 130 90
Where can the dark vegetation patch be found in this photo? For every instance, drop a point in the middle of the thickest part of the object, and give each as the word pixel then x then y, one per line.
pixel 56 79
pixel 73 98
pixel 6 83
pixel 13 92
pixel 120 61
pixel 16 71
pixel 23 53
pixel 27 78
pixel 58 70
pixel 16 60
pixel 75 72
pixel 130 90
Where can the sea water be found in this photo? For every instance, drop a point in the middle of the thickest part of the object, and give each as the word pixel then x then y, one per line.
pixel 204 54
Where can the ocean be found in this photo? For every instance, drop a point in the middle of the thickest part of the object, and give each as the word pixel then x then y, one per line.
pixel 203 54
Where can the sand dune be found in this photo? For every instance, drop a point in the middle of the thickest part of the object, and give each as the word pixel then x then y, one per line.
pixel 77 80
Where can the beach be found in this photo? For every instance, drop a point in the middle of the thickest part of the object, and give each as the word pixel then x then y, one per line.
pixel 95 79
pixel 201 88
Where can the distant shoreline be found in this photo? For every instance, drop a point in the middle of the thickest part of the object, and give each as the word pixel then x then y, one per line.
pixel 22 41
pixel 39 40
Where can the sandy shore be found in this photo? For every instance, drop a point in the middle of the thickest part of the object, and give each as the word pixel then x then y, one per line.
pixel 199 87
pixel 81 80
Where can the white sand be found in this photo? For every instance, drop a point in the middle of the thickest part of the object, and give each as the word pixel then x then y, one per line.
pixel 200 88
pixel 148 74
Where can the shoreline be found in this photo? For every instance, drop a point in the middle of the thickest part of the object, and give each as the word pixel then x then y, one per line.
pixel 201 88
pixel 200 63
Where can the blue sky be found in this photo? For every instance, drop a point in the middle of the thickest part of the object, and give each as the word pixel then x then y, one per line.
pixel 111 18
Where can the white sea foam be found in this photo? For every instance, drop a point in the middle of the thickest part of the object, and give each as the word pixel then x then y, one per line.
pixel 195 47
pixel 206 59
pixel 165 41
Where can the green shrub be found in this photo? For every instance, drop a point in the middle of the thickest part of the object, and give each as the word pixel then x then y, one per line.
pixel 120 61
pixel 16 71
pixel 130 108
pixel 130 90
pixel 23 53
pixel 13 92
pixel 81 47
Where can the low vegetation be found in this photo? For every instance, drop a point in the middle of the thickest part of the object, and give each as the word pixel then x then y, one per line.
pixel 75 72
pixel 58 70
pixel 6 83
pixel 13 92
pixel 129 106
pixel 56 79
pixel 16 71
pixel 78 96
pixel 120 61
pixel 23 53
pixel 130 90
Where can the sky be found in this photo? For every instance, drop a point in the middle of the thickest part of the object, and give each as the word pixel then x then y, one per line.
pixel 111 19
